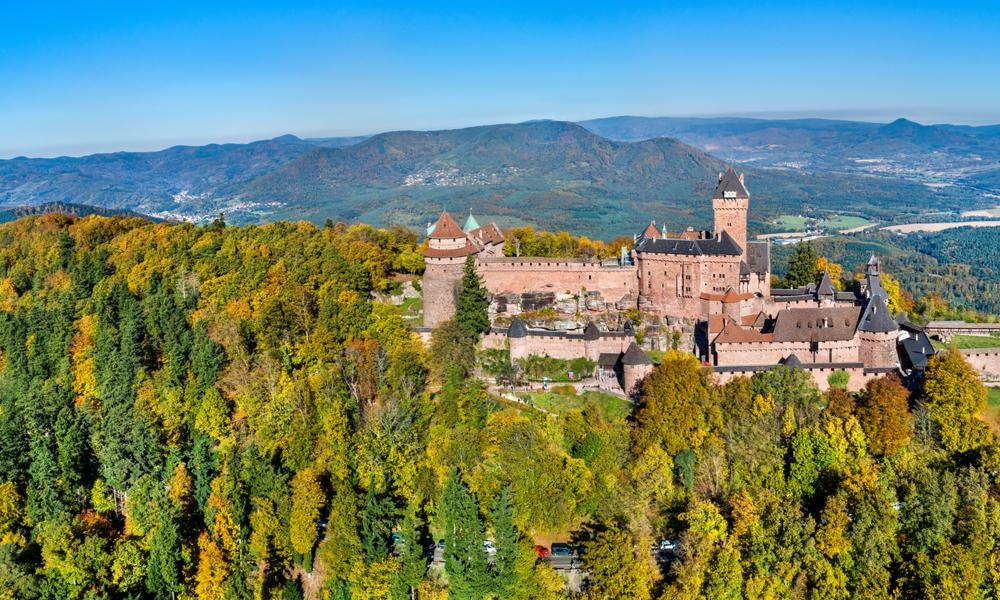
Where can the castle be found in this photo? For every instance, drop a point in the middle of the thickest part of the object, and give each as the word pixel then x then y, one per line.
pixel 716 279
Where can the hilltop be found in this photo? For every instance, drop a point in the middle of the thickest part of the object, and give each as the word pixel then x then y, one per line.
pixel 549 174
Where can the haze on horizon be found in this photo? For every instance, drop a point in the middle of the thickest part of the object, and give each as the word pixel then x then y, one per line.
pixel 120 76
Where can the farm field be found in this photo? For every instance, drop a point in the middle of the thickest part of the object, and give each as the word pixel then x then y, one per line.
pixel 844 222
pixel 790 223
pixel 932 227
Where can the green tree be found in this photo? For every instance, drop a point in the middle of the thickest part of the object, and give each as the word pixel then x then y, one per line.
pixel 464 555
pixel 507 538
pixel 672 410
pixel 472 308
pixel 377 519
pixel 307 499
pixel 801 266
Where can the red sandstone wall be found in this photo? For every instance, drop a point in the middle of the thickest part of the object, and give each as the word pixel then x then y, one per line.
pixel 565 348
pixel 983 360
pixel 857 378
pixel 764 353
pixel 522 275
pixel 438 287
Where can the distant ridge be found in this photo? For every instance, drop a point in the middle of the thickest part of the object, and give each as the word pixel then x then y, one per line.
pixel 550 174
pixel 66 208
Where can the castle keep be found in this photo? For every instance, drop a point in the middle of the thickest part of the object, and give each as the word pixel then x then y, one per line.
pixel 717 279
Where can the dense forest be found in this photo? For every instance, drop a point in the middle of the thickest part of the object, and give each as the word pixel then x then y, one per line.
pixel 224 412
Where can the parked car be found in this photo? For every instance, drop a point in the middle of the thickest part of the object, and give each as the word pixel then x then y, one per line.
pixel 561 550
pixel 668 545
pixel 541 550
pixel 490 547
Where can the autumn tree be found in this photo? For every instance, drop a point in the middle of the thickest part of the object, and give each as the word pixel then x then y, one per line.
pixel 883 412
pixel 307 499
pixel 955 398
pixel 619 566
pixel 672 409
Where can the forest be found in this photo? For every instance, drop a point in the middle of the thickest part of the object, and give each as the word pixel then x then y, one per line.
pixel 225 412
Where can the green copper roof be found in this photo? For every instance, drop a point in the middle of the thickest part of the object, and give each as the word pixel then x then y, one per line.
pixel 470 223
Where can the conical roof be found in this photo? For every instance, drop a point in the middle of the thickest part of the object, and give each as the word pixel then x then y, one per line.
pixel 651 231
pixel 730 186
pixel 470 223
pixel 635 356
pixel 517 328
pixel 446 227
pixel 825 285
pixel 792 361
pixel 591 332
pixel 876 317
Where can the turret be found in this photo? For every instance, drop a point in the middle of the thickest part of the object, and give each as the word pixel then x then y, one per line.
pixel 444 260
pixel 636 366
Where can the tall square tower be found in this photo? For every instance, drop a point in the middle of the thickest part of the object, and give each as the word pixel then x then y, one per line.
pixel 730 202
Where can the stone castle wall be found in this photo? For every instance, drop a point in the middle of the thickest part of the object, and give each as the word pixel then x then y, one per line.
pixel 771 353
pixel 857 377
pixel 878 349
pixel 440 278
pixel 529 274
pixel 673 284
pixel 984 360
pixel 566 348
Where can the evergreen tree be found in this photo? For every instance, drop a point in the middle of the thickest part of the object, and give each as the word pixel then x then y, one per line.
pixel 801 266
pixel 413 561
pixel 506 537
pixel 464 555
pixel 376 524
pixel 472 310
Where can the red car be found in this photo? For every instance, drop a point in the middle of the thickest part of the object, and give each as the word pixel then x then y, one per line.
pixel 541 550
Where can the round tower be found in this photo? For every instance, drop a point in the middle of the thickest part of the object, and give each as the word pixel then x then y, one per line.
pixel 635 367
pixel 444 261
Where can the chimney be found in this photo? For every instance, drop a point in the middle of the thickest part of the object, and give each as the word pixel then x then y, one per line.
pixel 741 178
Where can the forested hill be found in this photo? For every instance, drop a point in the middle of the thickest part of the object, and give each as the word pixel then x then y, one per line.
pixel 224 412
pixel 549 174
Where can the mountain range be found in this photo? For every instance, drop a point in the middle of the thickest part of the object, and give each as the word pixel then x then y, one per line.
pixel 602 178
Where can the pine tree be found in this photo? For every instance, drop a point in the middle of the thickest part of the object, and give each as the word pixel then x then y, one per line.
pixel 472 311
pixel 376 524
pixel 464 555
pixel 801 266
pixel 413 562
pixel 505 536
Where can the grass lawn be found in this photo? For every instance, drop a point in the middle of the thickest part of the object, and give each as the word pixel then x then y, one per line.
pixel 790 223
pixel 844 222
pixel 412 307
pixel 992 413
pixel 969 341
pixel 612 407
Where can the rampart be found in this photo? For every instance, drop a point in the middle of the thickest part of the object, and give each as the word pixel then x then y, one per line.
pixel 518 275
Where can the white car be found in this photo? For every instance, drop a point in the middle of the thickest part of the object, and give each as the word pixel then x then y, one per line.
pixel 667 545
pixel 490 547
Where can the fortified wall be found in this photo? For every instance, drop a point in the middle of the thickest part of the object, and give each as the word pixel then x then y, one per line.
pixel 519 275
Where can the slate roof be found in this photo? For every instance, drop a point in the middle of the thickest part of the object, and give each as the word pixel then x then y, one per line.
pixel 876 317
pixel 826 285
pixel 917 350
pixel 835 323
pixel 608 359
pixel 517 328
pixel 792 361
pixel 591 332
pixel 730 182
pixel 759 257
pixel 721 245
pixel 446 227
pixel 903 320
pixel 635 356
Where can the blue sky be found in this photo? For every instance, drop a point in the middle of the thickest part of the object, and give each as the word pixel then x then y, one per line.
pixel 78 78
